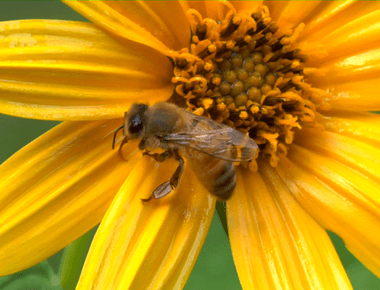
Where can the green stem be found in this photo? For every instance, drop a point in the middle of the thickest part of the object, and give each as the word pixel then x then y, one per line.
pixel 221 210
pixel 73 259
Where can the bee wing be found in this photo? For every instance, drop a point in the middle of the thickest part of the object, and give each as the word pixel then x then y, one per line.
pixel 215 139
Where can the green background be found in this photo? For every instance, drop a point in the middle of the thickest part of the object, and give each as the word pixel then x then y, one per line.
pixel 214 268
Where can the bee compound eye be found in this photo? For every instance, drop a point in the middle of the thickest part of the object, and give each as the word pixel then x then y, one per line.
pixel 135 126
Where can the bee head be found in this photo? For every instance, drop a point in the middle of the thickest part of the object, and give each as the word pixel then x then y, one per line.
pixel 134 121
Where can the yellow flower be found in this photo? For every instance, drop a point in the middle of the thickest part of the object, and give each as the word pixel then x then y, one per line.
pixel 297 76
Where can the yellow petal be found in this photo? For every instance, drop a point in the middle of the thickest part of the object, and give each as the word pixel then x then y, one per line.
pixel 113 21
pixel 361 95
pixel 348 38
pixel 354 81
pixel 275 243
pixel 336 178
pixel 55 189
pixel 246 5
pixel 358 67
pixel 163 19
pixel 363 127
pixel 288 14
pixel 152 245
pixel 62 70
pixel 208 9
pixel 331 15
pixel 217 10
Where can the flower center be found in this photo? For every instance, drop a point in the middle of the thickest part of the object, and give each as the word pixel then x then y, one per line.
pixel 238 71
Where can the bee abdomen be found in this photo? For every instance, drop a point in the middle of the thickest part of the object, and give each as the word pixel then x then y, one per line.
pixel 224 185
pixel 217 176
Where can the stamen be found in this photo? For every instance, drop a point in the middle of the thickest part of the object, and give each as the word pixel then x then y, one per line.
pixel 231 28
pixel 240 72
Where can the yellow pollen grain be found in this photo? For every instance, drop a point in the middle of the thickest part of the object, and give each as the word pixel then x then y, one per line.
pixel 243 115
pixel 217 80
pixel 199 111
pixel 221 107
pixel 255 109
pixel 236 20
pixel 211 48
pixel 230 44
pixel 208 67
pixel 207 103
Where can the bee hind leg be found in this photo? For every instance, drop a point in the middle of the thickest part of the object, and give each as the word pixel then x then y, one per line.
pixel 168 186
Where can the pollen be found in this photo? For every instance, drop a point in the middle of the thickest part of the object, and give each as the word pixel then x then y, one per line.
pixel 240 71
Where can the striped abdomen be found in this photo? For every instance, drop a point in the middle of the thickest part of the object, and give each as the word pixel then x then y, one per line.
pixel 217 176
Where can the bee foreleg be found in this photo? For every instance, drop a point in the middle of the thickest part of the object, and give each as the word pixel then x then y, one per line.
pixel 168 186
pixel 159 157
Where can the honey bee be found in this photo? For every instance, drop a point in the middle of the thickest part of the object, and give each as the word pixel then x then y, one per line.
pixel 210 147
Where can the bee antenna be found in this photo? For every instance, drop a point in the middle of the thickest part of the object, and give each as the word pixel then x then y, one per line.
pixel 114 136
